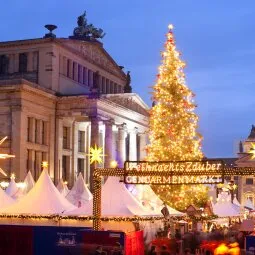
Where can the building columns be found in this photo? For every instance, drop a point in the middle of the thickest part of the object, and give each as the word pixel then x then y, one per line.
pixel 64 66
pixel 11 63
pixel 108 143
pixel 121 156
pixel 133 145
pixel 143 143
pixel 74 152
pixel 30 62
pixel 58 149
pixel 16 63
pixel 70 69
pixel 75 75
pixel 18 141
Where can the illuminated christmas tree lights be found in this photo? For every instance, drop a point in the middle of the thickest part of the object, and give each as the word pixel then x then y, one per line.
pixel 172 127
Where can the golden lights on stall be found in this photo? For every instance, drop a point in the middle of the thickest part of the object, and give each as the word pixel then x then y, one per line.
pixel 113 164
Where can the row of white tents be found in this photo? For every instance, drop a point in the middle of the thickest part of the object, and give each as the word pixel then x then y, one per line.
pixel 225 207
pixel 43 198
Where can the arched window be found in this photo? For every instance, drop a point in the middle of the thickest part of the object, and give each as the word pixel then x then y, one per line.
pixel 4 63
pixel 22 62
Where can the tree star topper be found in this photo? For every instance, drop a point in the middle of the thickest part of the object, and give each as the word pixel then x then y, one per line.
pixel 96 154
pixel 252 151
pixel 170 26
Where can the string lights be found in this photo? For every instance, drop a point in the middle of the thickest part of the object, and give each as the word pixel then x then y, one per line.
pixel 172 126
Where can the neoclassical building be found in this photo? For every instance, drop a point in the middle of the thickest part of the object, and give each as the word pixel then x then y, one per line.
pixel 61 96
pixel 246 184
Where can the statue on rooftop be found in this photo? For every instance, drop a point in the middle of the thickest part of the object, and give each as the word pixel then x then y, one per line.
pixel 81 20
pixel 87 31
pixel 128 88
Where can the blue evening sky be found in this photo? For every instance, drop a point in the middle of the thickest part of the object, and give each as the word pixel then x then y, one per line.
pixel 216 39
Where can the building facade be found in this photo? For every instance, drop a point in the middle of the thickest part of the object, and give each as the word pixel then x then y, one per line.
pixel 61 96
pixel 246 184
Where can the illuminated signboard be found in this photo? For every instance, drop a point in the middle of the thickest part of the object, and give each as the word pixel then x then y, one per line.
pixel 174 172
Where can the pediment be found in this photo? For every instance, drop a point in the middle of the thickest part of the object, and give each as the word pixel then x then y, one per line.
pixel 129 100
pixel 95 54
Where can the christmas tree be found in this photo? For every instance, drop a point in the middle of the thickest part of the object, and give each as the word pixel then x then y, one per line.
pixel 172 127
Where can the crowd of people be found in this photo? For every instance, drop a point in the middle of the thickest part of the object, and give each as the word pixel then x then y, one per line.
pixel 221 240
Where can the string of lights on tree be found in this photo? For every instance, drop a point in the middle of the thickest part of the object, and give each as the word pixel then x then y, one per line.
pixel 172 126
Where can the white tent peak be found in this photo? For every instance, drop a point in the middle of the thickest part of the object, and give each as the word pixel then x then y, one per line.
pixel 62 188
pixel 116 200
pixel 79 194
pixel 224 207
pixel 235 201
pixel 29 183
pixel 12 188
pixel 43 198
pixel 5 200
pixel 146 195
pixel 249 204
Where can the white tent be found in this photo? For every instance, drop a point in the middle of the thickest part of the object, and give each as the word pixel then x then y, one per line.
pixel 79 194
pixel 249 204
pixel 224 207
pixel 5 200
pixel 62 188
pixel 149 199
pixel 235 201
pixel 29 183
pixel 12 189
pixel 116 201
pixel 43 198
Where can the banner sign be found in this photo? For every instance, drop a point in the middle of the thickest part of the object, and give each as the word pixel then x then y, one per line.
pixel 174 172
